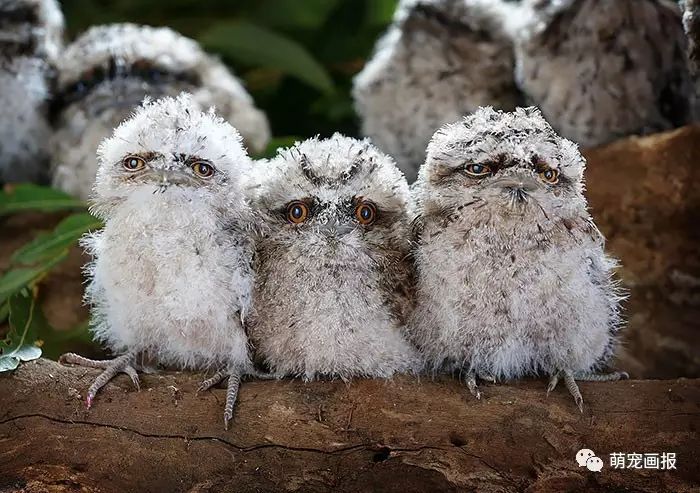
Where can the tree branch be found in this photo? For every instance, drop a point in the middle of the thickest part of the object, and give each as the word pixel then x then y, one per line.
pixel 402 435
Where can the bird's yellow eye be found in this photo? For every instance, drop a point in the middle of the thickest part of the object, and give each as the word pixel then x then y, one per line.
pixel 550 176
pixel 478 170
pixel 203 169
pixel 133 163
pixel 366 213
pixel 297 212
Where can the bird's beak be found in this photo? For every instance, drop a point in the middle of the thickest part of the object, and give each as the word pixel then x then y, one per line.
pixel 517 187
pixel 518 182
pixel 334 228
pixel 165 177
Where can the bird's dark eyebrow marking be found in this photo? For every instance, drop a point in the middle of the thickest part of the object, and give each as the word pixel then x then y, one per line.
pixel 149 71
pixel 23 14
pixel 352 171
pixel 345 176
pixel 307 171
pixel 146 156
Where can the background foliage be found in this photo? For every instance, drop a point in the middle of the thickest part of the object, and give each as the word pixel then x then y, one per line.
pixel 297 59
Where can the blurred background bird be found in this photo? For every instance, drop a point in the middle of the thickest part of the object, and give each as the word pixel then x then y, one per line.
pixel 439 60
pixel 105 73
pixel 31 37
pixel 603 69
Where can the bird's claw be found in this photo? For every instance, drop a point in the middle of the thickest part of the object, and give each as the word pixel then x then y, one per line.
pixel 234 382
pixel 213 380
pixel 111 368
pixel 553 381
pixel 571 386
pixel 470 380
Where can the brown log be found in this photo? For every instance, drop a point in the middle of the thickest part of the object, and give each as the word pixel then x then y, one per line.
pixel 403 435
pixel 644 194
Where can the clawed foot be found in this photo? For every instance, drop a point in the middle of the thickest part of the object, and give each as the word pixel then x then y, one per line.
pixel 471 379
pixel 234 382
pixel 121 364
pixel 571 377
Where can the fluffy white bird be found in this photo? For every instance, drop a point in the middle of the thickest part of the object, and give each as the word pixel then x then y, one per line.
pixel 513 278
pixel 332 276
pixel 31 34
pixel 171 279
pixel 105 73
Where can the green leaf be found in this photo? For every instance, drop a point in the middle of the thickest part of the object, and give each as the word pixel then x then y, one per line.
pixel 18 345
pixel 4 311
pixel 15 280
pixel 64 235
pixel 309 14
pixel 380 12
pixel 27 197
pixel 247 43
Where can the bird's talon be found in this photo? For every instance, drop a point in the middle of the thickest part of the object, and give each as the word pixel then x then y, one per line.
pixel 472 386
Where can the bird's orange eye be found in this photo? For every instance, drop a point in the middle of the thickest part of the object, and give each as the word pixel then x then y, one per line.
pixel 203 169
pixel 297 212
pixel 550 176
pixel 133 163
pixel 478 170
pixel 366 213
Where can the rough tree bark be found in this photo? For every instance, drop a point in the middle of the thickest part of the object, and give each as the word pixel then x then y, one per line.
pixel 404 435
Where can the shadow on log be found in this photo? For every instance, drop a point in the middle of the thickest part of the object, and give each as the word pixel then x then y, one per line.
pixel 403 435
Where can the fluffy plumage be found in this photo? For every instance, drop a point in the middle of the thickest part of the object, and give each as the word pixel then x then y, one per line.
pixel 105 73
pixel 171 277
pixel 513 279
pixel 439 60
pixel 603 69
pixel 31 34
pixel 331 293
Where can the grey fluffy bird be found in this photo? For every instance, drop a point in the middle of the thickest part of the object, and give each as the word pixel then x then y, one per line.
pixel 604 69
pixel 171 278
pixel 31 33
pixel 513 278
pixel 438 61
pixel 104 75
pixel 332 277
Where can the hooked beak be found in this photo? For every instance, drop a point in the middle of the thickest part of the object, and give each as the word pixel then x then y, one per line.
pixel 333 228
pixel 518 187
pixel 164 178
